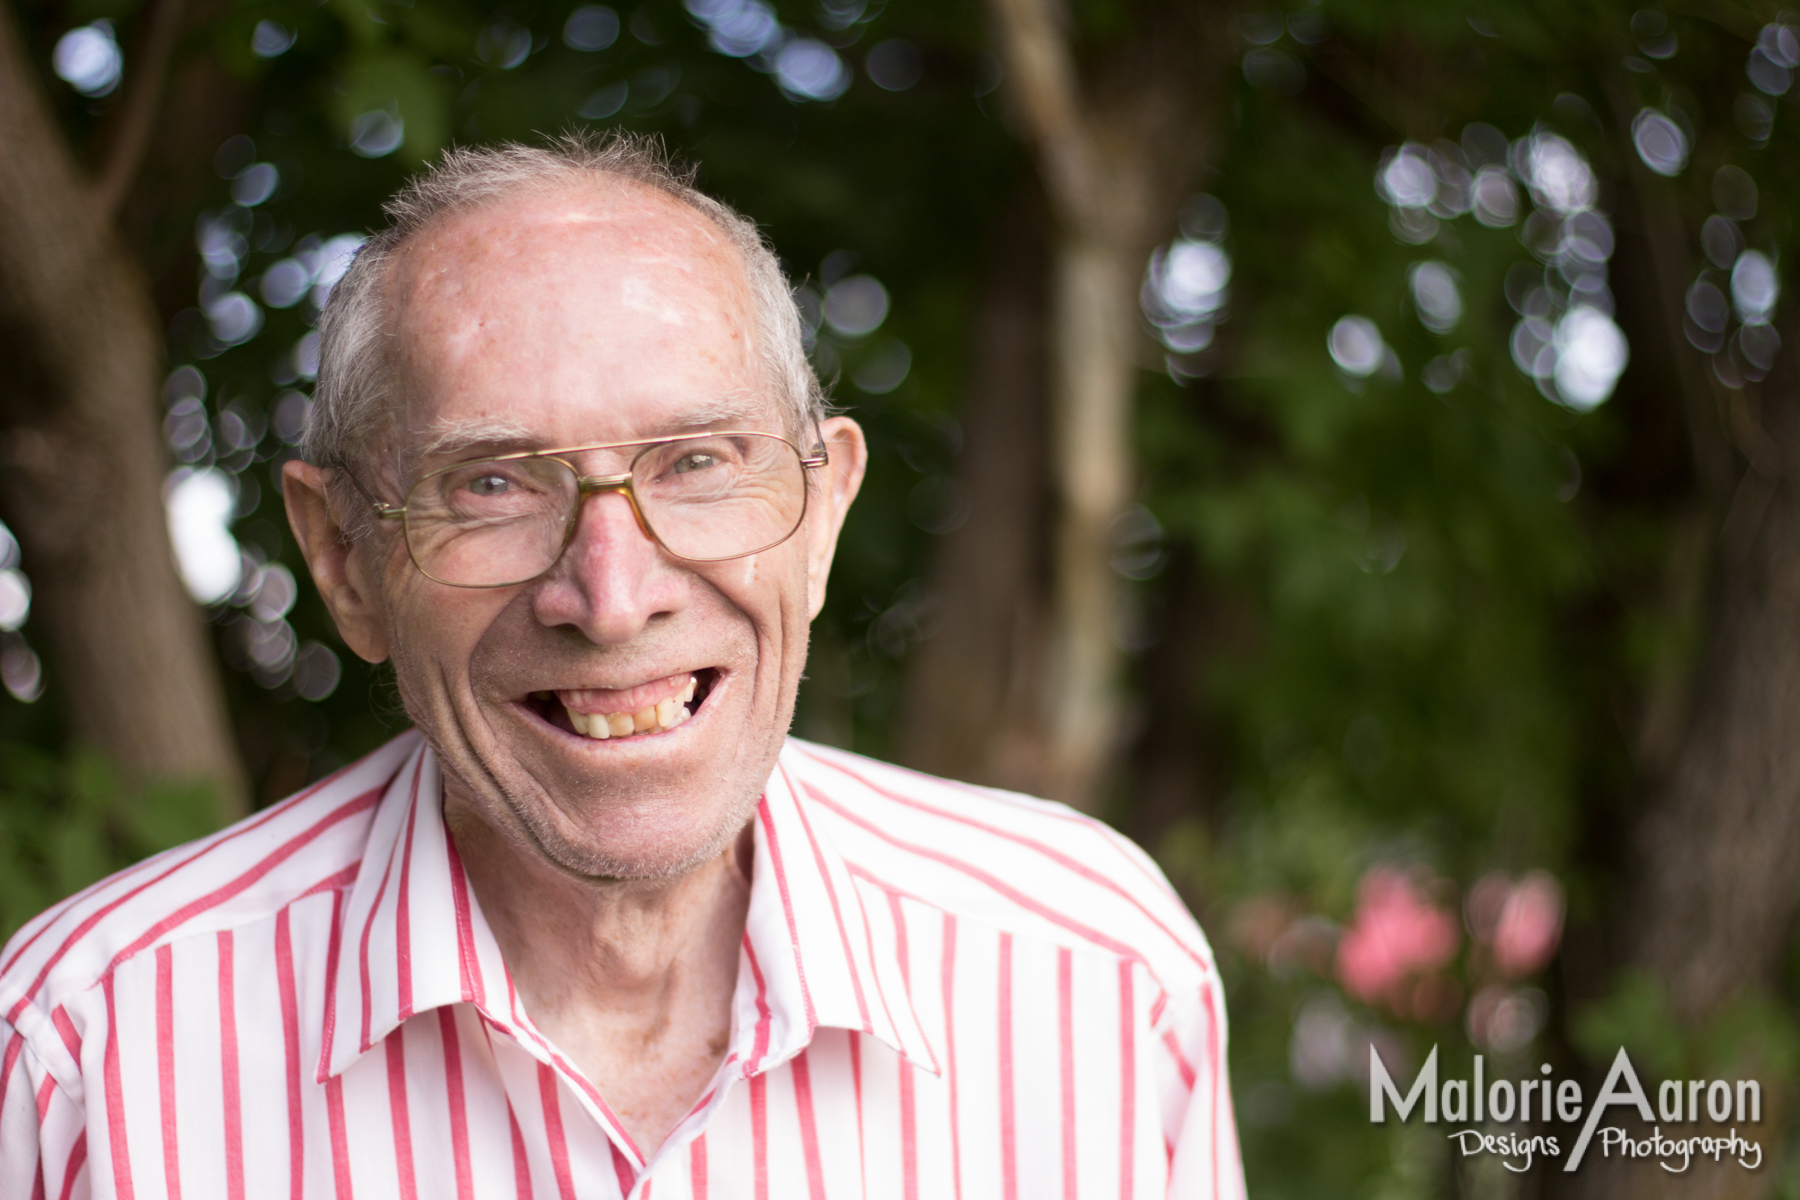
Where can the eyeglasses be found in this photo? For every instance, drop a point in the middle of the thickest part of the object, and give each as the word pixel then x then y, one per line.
pixel 501 521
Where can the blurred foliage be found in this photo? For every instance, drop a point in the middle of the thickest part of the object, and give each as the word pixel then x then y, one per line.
pixel 68 821
pixel 1415 623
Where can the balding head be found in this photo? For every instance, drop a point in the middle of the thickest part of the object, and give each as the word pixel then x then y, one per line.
pixel 359 379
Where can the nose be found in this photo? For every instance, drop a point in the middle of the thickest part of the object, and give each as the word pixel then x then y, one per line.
pixel 613 579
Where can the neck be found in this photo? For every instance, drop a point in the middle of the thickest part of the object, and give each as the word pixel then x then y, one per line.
pixel 631 979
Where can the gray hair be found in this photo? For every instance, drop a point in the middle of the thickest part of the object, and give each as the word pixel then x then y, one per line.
pixel 355 373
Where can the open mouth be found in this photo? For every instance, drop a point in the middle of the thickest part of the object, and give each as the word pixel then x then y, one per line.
pixel 655 707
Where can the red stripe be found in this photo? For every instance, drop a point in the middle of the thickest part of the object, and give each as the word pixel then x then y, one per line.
pixel 862 1154
pixel 14 1049
pixel 290 1032
pixel 622 1170
pixel 333 946
pixel 99 915
pixel 837 913
pixel 399 1114
pixel 472 988
pixel 521 1163
pixel 1005 889
pixel 763 1017
pixel 809 1131
pixel 880 992
pixel 787 907
pixel 553 1128
pixel 947 970
pixel 909 1132
pixel 1184 1068
pixel 340 1138
pixel 362 958
pixel 1057 856
pixel 228 1070
pixel 459 1113
pixel 337 879
pixel 65 1029
pixel 1065 1046
pixel 759 1136
pixel 333 883
pixel 1127 1084
pixel 1009 1159
pixel 217 897
pixel 77 1158
pixel 403 907
pixel 697 1167
pixel 616 1127
pixel 1220 1104
pixel 115 1099
pixel 165 1067
pixel 45 1091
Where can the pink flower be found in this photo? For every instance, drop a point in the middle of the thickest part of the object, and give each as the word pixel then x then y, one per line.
pixel 1396 933
pixel 1530 925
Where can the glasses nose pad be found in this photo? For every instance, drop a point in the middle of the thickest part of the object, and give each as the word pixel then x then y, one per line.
pixel 595 485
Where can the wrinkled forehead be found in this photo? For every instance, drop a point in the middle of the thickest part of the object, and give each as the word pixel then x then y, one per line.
pixel 565 291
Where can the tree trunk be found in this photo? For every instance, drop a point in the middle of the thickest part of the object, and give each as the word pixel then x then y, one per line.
pixel 1712 883
pixel 1116 151
pixel 969 701
pixel 82 489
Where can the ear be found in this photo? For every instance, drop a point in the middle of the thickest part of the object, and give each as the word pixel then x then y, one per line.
pixel 346 579
pixel 830 499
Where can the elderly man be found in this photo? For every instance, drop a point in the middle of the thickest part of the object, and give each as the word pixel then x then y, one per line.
pixel 598 928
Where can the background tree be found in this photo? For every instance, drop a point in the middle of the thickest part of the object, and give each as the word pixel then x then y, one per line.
pixel 83 479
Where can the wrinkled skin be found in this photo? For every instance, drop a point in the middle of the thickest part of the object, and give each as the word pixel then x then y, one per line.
pixel 615 873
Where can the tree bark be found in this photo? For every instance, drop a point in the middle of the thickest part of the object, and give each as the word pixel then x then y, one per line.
pixel 1116 150
pixel 1712 883
pixel 82 486
pixel 969 698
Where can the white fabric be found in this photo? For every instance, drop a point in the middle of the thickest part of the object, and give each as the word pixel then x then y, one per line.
pixel 945 991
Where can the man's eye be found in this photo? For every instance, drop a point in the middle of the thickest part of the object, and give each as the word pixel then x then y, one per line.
pixel 694 462
pixel 490 485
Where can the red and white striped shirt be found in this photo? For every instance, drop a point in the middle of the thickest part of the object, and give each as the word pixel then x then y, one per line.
pixel 944 991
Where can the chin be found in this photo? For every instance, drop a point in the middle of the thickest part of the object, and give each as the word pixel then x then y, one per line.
pixel 648 837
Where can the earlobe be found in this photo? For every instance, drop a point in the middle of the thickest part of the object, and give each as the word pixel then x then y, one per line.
pixel 341 570
pixel 848 452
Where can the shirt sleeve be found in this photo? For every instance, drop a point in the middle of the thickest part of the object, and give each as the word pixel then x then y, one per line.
pixel 1198 1124
pixel 43 1135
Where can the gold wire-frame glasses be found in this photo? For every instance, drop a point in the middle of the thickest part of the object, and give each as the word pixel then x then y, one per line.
pixel 503 520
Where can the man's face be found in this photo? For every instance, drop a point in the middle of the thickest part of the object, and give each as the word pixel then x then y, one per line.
pixel 574 317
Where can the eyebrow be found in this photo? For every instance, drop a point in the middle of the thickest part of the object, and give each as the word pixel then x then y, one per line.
pixel 454 438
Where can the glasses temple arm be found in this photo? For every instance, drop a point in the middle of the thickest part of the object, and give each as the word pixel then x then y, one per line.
pixel 383 510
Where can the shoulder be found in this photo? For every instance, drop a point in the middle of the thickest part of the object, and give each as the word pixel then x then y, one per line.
pixel 1023 864
pixel 240 874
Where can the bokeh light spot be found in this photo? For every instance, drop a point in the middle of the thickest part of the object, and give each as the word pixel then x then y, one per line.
pixel 87 58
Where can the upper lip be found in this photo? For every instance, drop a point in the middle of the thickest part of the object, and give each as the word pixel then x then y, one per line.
pixel 629 698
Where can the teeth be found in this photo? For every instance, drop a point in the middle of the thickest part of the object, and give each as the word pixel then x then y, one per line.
pixel 658 718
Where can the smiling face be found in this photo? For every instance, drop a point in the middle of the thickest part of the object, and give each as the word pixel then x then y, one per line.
pixel 605 313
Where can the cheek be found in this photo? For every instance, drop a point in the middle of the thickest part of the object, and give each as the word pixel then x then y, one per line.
pixel 439 636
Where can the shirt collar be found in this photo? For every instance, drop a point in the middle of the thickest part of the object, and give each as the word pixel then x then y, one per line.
pixel 413 938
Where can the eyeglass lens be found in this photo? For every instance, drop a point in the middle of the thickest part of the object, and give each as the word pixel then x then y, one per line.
pixel 494 522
